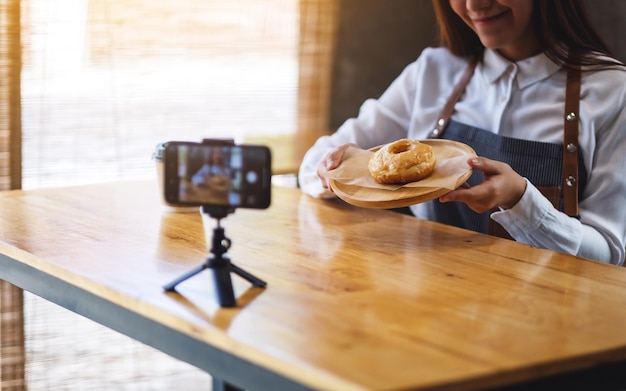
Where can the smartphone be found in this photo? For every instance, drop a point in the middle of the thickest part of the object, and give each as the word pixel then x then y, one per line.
pixel 217 174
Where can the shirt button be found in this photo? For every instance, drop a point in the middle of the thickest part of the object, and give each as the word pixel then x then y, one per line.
pixel 502 98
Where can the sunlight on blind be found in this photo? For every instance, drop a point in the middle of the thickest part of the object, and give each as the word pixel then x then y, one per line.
pixel 103 81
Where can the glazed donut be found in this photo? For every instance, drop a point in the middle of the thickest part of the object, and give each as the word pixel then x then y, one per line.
pixel 402 161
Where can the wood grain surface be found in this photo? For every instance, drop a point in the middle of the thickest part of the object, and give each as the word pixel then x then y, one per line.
pixel 356 299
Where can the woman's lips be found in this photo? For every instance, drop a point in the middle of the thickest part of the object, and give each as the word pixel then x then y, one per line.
pixel 488 19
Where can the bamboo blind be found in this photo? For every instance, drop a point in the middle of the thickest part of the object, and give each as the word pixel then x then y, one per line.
pixel 318 31
pixel 104 81
pixel 10 116
pixel 12 355
pixel 317 40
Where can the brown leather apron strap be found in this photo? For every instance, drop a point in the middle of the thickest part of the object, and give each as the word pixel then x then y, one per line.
pixel 448 108
pixel 570 142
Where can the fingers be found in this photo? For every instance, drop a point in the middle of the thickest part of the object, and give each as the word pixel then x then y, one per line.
pixel 487 166
pixel 501 187
pixel 479 198
pixel 332 160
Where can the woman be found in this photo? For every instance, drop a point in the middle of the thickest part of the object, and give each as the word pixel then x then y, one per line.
pixel 511 110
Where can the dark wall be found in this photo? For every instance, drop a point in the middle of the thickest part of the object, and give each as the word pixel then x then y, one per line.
pixel 378 38
pixel 608 17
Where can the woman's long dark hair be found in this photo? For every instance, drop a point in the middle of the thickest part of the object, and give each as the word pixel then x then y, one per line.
pixel 568 37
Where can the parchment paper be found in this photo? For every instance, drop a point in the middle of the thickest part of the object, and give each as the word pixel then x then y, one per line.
pixel 451 165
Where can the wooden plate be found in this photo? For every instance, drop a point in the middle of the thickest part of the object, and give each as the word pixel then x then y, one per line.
pixel 396 197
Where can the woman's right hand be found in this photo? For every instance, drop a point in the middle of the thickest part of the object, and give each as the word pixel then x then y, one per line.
pixel 331 161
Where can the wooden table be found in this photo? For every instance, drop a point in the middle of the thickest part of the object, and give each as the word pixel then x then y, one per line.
pixel 357 299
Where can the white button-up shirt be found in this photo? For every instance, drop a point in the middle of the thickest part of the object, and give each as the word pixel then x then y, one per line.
pixel 524 100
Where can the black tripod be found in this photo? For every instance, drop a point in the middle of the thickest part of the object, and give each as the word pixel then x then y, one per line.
pixel 219 263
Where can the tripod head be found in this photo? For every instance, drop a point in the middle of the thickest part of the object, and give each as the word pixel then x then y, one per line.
pixel 217 212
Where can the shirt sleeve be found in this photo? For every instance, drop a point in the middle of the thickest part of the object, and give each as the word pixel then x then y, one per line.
pixel 308 179
pixel 534 221
pixel 379 121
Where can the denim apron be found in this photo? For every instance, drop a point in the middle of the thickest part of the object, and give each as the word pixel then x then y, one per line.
pixel 555 169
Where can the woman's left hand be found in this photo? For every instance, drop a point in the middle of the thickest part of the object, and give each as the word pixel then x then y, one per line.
pixel 501 187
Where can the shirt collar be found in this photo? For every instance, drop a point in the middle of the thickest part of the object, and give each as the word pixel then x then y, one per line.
pixel 527 71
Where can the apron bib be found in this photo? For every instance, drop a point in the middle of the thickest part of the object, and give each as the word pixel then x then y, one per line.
pixel 541 163
pixel 555 169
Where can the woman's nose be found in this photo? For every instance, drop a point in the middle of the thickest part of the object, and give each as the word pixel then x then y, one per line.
pixel 474 5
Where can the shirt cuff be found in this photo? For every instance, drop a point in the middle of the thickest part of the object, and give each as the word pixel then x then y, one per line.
pixel 312 186
pixel 525 216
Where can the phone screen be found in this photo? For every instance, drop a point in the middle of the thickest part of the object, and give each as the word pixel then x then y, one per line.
pixel 218 175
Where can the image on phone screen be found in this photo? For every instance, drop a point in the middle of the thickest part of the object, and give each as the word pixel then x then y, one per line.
pixel 218 175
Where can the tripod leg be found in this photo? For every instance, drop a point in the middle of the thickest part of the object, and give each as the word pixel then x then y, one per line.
pixel 221 385
pixel 224 286
pixel 172 285
pixel 256 282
